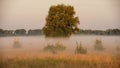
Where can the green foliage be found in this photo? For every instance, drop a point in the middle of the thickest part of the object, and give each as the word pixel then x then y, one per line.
pixel 54 48
pixel 98 45
pixel 80 49
pixel 61 22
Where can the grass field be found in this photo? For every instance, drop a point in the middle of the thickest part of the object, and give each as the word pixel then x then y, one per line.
pixel 37 60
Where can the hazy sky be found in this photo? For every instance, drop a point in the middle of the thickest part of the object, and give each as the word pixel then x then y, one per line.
pixel 31 14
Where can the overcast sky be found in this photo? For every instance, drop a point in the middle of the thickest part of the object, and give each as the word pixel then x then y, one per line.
pixel 31 14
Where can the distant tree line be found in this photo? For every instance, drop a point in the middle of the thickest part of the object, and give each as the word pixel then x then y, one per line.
pixel 99 32
pixel 20 32
pixel 23 32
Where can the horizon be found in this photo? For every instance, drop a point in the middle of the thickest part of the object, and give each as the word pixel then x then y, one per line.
pixel 41 29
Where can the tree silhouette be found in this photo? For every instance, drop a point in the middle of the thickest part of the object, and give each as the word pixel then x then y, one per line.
pixel 61 21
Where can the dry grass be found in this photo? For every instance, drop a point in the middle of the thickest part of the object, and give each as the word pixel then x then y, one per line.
pixel 41 60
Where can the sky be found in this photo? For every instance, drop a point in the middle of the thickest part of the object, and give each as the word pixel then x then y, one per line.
pixel 31 14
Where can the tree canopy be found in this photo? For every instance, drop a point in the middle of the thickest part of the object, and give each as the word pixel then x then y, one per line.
pixel 61 21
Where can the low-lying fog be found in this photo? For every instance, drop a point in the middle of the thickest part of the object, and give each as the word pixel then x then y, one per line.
pixel 37 43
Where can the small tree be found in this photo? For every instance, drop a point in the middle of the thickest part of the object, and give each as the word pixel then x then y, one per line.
pixel 98 45
pixel 61 21
pixel 80 49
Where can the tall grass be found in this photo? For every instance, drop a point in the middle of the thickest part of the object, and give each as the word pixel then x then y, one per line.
pixel 80 49
pixel 62 61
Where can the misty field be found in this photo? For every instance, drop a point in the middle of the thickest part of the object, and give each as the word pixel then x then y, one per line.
pixel 76 52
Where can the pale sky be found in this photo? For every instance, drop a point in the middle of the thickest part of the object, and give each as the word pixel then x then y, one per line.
pixel 31 14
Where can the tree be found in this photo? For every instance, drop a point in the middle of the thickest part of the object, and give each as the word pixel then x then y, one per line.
pixel 20 32
pixel 35 32
pixel 8 32
pixel 1 31
pixel 61 21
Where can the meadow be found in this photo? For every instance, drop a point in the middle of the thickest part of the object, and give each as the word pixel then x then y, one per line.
pixel 32 52
pixel 49 60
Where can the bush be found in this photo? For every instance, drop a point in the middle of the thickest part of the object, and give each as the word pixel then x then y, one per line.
pixel 17 44
pixel 60 46
pixel 50 48
pixel 98 45
pixel 55 48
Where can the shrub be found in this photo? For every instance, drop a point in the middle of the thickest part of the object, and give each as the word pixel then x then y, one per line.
pixel 60 46
pixel 98 45
pixel 17 44
pixel 55 48
pixel 50 48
